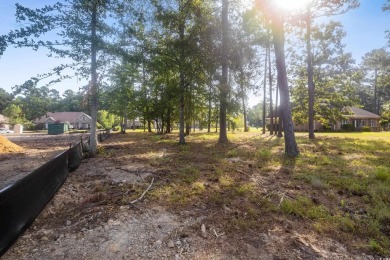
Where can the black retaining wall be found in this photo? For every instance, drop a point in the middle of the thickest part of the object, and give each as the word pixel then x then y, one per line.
pixel 22 201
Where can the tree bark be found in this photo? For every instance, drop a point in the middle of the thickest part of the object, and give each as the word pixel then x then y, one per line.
pixel 162 130
pixel 149 125
pixel 291 148
pixel 182 88
pixel 271 109
pixel 168 121
pixel 188 113
pixel 279 123
pixel 146 114
pixel 224 88
pixel 94 100
pixel 376 103
pixel 265 90
pixel 246 129
pixel 310 81
pixel 188 128
pixel 124 124
pixel 216 124
pixel 209 111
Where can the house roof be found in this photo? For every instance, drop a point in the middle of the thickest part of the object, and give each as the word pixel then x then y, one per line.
pixel 3 119
pixel 61 116
pixel 358 113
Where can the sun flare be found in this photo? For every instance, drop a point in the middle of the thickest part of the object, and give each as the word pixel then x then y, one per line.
pixel 293 5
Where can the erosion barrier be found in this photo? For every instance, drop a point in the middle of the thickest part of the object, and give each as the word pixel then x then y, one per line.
pixel 103 135
pixel 22 201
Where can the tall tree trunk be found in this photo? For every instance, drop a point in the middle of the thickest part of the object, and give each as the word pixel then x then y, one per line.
pixel 246 129
pixel 149 125
pixel 224 88
pixel 265 90
pixel 209 111
pixel 291 148
pixel 188 128
pixel 124 123
pixel 94 83
pixel 271 108
pixel 182 88
pixel 157 125
pixel 162 123
pixel 189 111
pixel 376 103
pixel 216 124
pixel 279 124
pixel 310 81
pixel 168 121
pixel 146 114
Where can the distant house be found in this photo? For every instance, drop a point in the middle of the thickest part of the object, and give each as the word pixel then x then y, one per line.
pixel 354 119
pixel 134 123
pixel 4 123
pixel 77 120
pixel 358 118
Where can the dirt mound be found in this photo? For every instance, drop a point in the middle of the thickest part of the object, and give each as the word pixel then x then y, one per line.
pixel 8 147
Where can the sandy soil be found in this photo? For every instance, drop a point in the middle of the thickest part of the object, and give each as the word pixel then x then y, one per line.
pixel 90 218
pixel 37 149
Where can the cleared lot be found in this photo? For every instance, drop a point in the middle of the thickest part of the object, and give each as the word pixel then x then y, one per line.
pixel 38 149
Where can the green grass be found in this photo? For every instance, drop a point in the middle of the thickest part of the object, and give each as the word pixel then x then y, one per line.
pixel 353 165
pixel 339 185
pixel 304 207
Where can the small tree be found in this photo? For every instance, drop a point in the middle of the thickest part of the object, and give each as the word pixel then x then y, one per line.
pixel 105 119
pixel 80 26
pixel 14 114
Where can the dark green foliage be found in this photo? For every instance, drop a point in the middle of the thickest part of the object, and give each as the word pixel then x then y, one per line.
pixel 5 99
pixel 348 127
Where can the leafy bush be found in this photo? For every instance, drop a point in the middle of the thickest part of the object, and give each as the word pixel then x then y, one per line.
pixel 326 128
pixel 366 129
pixel 105 119
pixel 348 127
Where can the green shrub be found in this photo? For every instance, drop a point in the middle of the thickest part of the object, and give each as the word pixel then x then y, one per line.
pixel 348 127
pixel 326 128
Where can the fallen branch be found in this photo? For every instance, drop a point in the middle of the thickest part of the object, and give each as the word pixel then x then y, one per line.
pixel 143 194
pixel 281 201
pixel 218 235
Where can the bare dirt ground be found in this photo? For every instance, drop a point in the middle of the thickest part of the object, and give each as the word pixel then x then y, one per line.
pixel 91 218
pixel 38 149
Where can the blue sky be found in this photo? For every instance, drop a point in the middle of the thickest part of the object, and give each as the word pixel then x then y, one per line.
pixel 365 29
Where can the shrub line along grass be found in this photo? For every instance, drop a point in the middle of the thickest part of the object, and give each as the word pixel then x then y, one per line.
pixel 339 186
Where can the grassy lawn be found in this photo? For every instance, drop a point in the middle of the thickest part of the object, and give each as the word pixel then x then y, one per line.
pixel 379 136
pixel 338 187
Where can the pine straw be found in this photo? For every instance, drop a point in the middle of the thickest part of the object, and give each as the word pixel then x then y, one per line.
pixel 8 147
